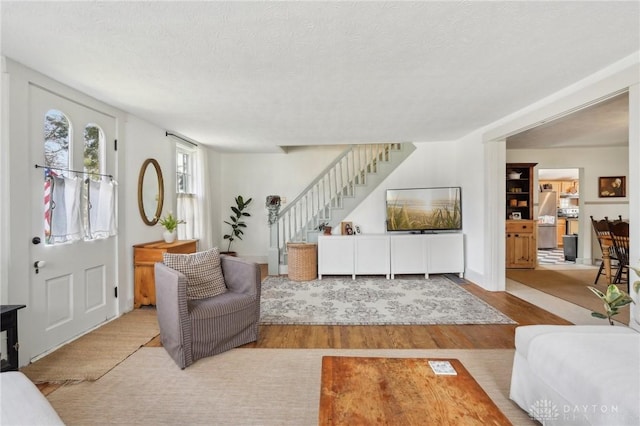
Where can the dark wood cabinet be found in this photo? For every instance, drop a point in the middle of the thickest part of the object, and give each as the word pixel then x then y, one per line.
pixel 9 325
pixel 519 190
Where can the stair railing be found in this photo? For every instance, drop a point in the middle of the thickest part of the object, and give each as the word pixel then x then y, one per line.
pixel 313 206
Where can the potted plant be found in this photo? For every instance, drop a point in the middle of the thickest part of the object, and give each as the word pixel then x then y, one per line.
pixel 236 222
pixel 170 224
pixel 324 226
pixel 613 299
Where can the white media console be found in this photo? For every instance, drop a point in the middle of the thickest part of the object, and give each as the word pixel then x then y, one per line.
pixel 391 254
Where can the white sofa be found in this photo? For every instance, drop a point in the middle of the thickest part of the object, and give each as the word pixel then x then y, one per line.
pixel 577 375
pixel 22 404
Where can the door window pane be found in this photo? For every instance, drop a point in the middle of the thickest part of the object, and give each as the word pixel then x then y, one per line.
pixel 93 145
pixel 57 139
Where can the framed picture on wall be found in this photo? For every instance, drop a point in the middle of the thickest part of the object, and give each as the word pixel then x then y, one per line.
pixel 612 186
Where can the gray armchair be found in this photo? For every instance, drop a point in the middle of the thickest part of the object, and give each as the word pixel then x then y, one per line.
pixel 194 329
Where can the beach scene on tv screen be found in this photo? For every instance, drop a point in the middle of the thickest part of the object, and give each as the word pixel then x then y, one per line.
pixel 424 209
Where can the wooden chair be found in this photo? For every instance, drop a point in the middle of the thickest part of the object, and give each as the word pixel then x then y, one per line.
pixel 620 237
pixel 601 229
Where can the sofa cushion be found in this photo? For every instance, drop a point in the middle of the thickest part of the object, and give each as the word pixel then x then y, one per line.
pixel 590 370
pixel 526 334
pixel 203 272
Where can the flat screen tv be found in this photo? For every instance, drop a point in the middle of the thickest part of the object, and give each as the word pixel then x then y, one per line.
pixel 424 209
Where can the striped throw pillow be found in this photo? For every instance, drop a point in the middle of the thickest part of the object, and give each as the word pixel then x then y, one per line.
pixel 203 272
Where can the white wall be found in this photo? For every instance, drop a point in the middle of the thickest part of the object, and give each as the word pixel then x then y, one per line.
pixel 594 162
pixel 259 175
pixel 419 170
pixel 137 140
pixel 614 79
pixel 140 140
pixel 457 163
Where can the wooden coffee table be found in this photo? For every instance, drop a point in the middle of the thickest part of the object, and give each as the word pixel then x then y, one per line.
pixel 401 391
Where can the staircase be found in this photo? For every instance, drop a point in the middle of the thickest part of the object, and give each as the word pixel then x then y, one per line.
pixel 337 190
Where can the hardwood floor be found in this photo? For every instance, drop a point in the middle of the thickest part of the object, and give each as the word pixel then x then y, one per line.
pixel 409 336
pixel 400 336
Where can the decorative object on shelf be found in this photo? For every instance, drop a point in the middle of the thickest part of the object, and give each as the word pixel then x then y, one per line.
pixel 613 299
pixel 170 224
pixel 346 228
pixel 237 224
pixel 273 207
pixel 516 216
pixel 519 190
pixel 324 226
pixel 612 186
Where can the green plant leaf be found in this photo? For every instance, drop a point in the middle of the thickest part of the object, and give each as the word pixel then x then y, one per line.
pixel 597 292
pixel 598 315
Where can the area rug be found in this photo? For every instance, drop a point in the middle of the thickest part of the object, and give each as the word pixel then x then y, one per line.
pixel 245 387
pixel 568 284
pixel 373 301
pixel 92 355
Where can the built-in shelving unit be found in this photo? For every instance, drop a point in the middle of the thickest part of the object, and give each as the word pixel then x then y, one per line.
pixel 521 228
pixel 519 187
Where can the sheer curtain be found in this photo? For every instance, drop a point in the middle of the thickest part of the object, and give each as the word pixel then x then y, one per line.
pixel 65 216
pixel 194 208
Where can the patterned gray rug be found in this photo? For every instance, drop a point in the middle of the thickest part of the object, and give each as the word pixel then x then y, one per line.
pixel 373 301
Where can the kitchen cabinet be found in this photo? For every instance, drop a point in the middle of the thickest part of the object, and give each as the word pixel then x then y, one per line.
pixel 567 191
pixel 562 229
pixel 521 247
pixel 145 257
pixel 519 190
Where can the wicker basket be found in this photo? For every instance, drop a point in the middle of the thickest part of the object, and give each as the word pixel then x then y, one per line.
pixel 303 263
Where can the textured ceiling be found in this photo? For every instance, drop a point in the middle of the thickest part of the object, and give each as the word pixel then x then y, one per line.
pixel 259 75
pixel 603 124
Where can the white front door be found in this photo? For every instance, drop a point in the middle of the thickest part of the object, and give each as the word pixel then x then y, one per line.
pixel 74 289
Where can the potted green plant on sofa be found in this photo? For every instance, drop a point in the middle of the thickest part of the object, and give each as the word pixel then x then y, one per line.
pixel 236 222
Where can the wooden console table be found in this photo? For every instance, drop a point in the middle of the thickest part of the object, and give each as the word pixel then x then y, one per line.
pixel 363 390
pixel 9 323
pixel 145 257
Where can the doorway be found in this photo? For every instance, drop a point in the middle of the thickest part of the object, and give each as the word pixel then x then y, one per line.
pixel 558 215
pixel 74 265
